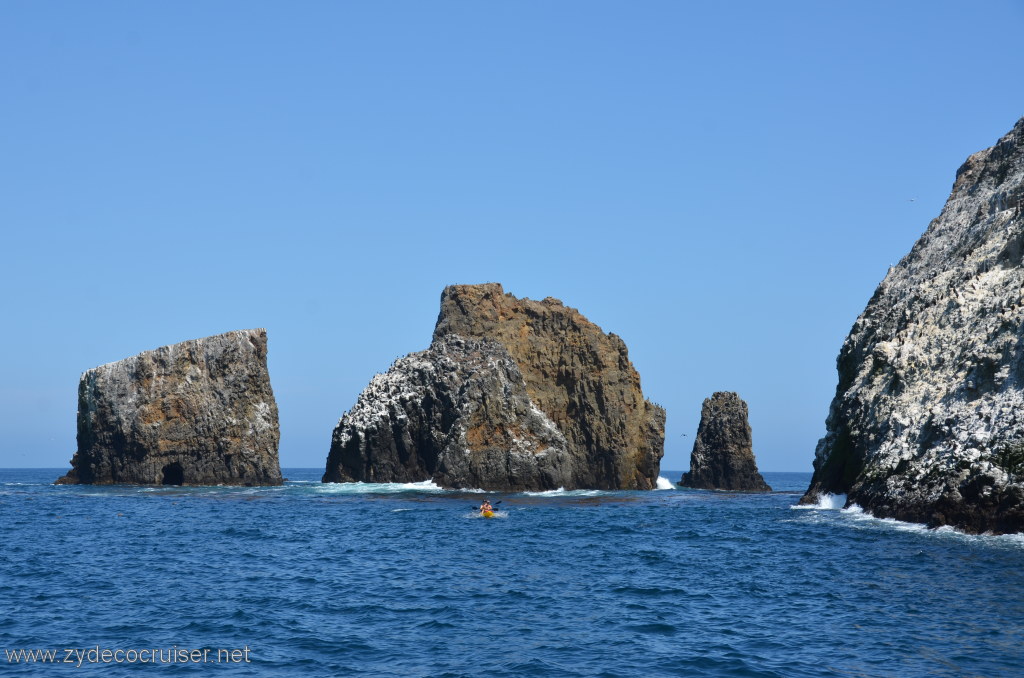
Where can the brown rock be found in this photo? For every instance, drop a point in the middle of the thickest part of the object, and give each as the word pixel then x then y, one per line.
pixel 580 377
pixel 512 395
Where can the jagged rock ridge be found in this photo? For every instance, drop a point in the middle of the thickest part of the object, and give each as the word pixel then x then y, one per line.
pixel 928 420
pixel 723 453
pixel 570 374
pixel 201 412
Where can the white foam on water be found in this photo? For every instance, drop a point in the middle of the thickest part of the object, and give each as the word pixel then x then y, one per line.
pixel 861 517
pixel 562 492
pixel 378 488
pixel 858 514
pixel 826 502
pixel 1016 539
pixel 665 484
pixel 546 493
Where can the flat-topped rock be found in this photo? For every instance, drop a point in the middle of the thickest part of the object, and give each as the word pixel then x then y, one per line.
pixel 201 412
pixel 723 452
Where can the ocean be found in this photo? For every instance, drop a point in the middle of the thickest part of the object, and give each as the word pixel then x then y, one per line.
pixel 310 579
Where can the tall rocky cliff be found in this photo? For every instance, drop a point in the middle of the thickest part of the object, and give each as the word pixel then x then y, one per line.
pixel 723 452
pixel 927 424
pixel 513 394
pixel 196 413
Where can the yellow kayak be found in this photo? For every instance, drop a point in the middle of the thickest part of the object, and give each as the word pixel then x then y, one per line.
pixel 487 514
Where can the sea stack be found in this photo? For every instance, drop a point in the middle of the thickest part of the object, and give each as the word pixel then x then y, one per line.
pixel 513 394
pixel 723 453
pixel 927 424
pixel 196 413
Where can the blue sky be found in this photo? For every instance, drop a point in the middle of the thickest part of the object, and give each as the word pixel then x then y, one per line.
pixel 721 184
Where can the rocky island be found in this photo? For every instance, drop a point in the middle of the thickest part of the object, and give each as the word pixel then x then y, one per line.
pixel 723 453
pixel 196 413
pixel 513 394
pixel 927 424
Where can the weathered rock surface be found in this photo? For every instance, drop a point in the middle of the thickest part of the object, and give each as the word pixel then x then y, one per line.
pixel 928 420
pixel 723 452
pixel 196 413
pixel 568 396
pixel 458 413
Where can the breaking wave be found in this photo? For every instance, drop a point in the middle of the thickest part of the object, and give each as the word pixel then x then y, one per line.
pixel 826 502
pixel 665 484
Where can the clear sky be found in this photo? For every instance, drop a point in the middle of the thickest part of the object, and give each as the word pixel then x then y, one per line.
pixel 722 184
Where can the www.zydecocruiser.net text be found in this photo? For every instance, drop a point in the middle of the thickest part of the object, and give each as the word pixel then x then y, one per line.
pixel 79 656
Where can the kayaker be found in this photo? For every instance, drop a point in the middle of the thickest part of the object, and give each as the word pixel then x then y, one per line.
pixel 486 506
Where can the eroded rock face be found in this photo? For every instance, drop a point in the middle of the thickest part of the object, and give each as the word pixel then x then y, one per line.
pixel 576 374
pixel 928 420
pixel 457 413
pixel 723 453
pixel 569 378
pixel 196 413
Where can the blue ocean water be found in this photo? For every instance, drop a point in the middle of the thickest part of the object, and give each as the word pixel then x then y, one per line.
pixel 364 580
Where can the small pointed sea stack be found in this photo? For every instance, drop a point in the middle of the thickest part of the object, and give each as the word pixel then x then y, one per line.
pixel 723 454
pixel 196 413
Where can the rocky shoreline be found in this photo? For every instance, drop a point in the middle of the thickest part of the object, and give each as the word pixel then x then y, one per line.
pixel 927 424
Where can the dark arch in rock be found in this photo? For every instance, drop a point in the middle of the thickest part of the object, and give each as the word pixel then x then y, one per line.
pixel 173 474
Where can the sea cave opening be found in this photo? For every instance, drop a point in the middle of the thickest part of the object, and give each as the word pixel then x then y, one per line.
pixel 173 475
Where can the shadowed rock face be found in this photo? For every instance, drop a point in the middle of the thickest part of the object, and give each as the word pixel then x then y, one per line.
pixel 723 454
pixel 458 413
pixel 196 413
pixel 573 378
pixel 927 424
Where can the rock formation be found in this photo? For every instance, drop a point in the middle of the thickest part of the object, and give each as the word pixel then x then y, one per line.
pixel 196 413
pixel 723 454
pixel 458 412
pixel 513 394
pixel 927 424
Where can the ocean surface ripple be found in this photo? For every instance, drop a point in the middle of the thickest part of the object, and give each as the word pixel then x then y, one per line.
pixel 406 580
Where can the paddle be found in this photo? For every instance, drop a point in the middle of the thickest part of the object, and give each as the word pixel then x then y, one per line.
pixel 477 508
